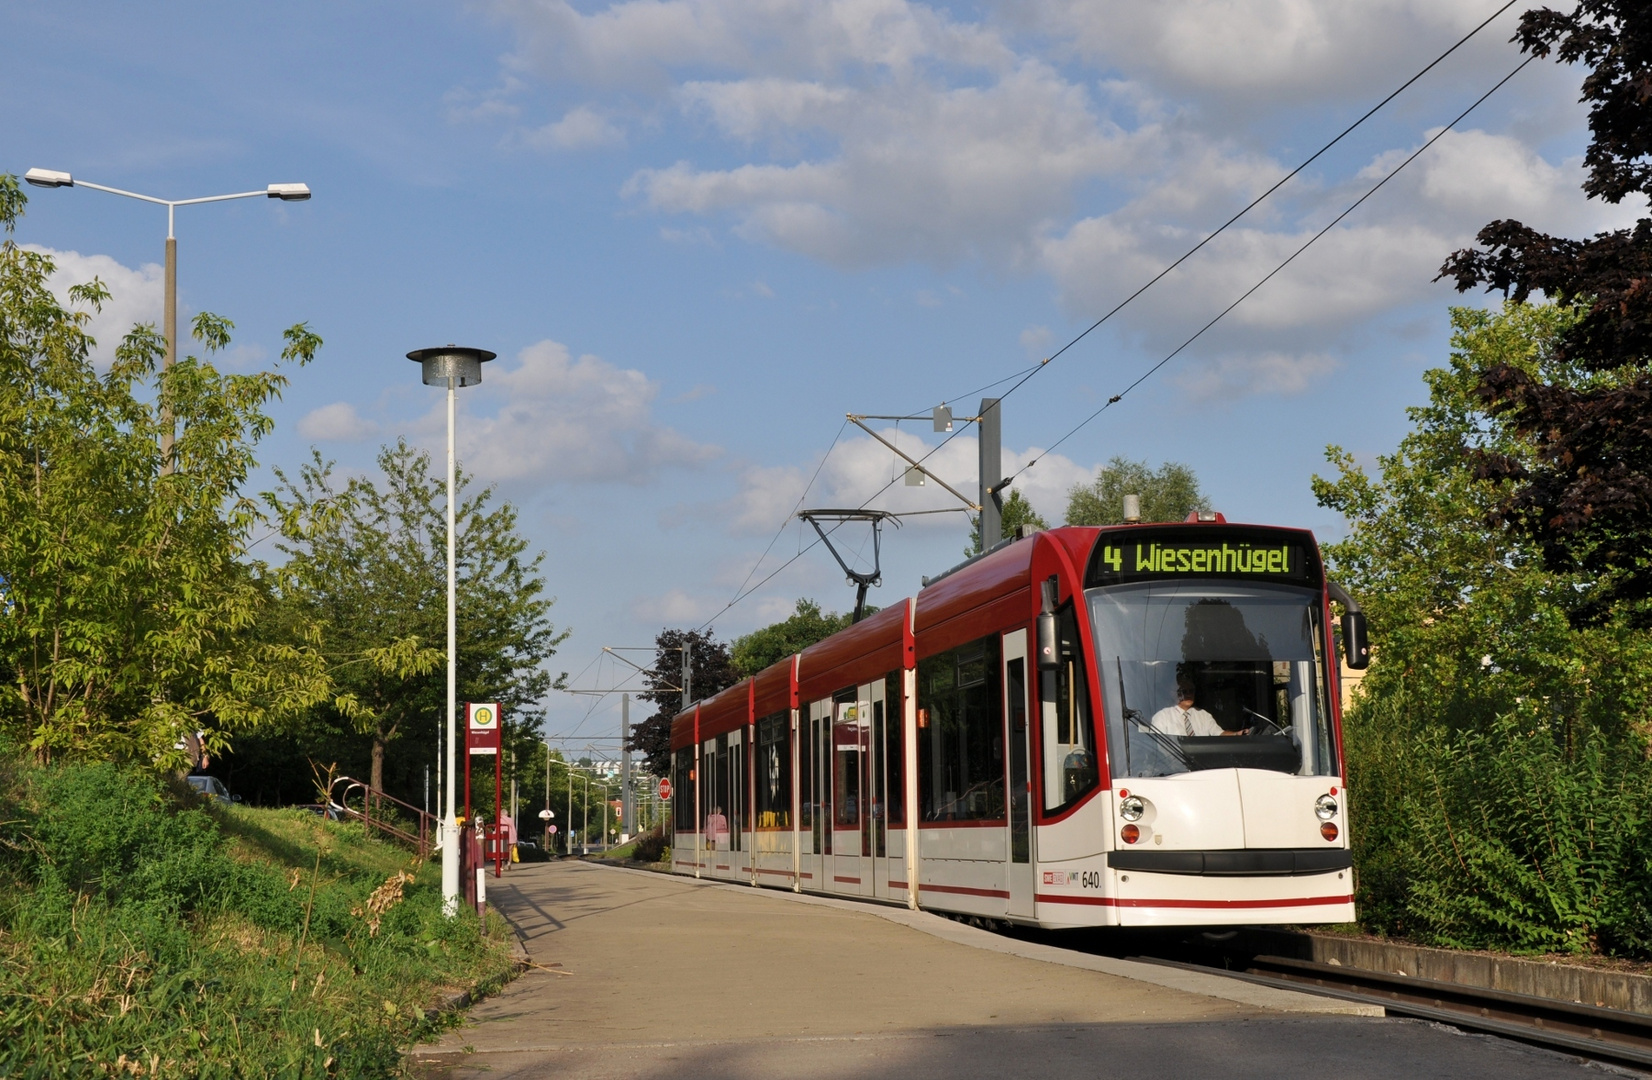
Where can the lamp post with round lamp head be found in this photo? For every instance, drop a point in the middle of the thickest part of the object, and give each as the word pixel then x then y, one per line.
pixel 451 366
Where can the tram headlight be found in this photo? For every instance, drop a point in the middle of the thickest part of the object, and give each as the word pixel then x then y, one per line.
pixel 1130 834
pixel 1131 808
pixel 1325 807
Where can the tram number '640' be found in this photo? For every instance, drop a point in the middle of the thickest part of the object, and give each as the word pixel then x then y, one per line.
pixel 1089 879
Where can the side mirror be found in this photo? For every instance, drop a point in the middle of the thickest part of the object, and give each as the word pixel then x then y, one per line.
pixel 1049 653
pixel 1356 642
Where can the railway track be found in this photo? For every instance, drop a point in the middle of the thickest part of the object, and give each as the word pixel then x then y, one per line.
pixel 1589 1031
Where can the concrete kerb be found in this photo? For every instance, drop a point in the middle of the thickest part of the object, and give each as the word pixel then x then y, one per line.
pixel 1192 982
pixel 464 999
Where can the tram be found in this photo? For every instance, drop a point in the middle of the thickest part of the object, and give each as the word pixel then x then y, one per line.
pixel 1135 725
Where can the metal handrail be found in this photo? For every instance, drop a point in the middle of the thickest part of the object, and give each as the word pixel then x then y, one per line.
pixel 370 795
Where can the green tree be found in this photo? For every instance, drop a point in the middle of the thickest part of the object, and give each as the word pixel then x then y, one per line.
pixel 367 562
pixel 763 648
pixel 1168 494
pixel 1017 512
pixel 1496 753
pixel 1579 488
pixel 131 612
pixel 711 670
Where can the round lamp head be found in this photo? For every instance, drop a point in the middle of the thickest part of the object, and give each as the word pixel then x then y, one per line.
pixel 462 365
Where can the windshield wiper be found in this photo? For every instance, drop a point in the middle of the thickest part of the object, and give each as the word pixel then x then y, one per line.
pixel 1134 715
pixel 1262 718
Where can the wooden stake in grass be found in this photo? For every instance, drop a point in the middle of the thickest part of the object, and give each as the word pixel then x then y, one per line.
pixel 309 906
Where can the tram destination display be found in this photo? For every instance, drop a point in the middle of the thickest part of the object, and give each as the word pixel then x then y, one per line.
pixel 1274 556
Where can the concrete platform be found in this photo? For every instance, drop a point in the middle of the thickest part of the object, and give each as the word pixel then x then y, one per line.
pixel 644 975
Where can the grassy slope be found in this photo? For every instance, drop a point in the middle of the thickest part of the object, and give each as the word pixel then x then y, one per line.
pixel 172 948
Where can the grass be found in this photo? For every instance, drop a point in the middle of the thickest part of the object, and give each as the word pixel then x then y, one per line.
pixel 142 934
pixel 621 853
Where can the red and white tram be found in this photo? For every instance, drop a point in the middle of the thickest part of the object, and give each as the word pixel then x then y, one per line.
pixel 1126 726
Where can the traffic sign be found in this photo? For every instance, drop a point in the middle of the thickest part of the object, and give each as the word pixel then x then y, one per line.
pixel 665 787
pixel 553 830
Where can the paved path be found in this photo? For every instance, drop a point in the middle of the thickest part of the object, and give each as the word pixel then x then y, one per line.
pixel 643 975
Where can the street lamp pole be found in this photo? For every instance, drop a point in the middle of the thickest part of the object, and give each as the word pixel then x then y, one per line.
pixel 453 367
pixel 50 178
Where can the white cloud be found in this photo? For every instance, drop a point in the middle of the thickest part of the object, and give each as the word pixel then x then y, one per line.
pixel 1091 141
pixel 919 170
pixel 135 296
pixel 862 468
pixel 581 128
pixel 338 422
pixel 642 44
pixel 674 607
pixel 1380 259
pixel 563 420
pixel 1258 51
pixel 1268 373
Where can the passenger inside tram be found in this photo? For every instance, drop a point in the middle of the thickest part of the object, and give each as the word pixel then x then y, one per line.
pixel 716 825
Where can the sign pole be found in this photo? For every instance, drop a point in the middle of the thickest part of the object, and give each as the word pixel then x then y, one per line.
pixel 498 820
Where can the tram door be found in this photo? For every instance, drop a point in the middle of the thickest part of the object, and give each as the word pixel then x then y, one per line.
pixel 851 866
pixel 1019 787
pixel 814 827
pixel 709 814
pixel 738 843
pixel 876 843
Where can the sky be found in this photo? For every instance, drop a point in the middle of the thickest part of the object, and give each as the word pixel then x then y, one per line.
pixel 699 233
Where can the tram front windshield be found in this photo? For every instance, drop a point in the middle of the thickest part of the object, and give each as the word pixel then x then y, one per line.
pixel 1210 675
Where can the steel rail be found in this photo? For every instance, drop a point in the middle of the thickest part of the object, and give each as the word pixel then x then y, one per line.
pixel 1589 1031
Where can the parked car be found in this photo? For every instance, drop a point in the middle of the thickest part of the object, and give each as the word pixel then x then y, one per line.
pixel 211 787
pixel 325 810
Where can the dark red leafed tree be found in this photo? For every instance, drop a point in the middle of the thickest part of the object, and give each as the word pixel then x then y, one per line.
pixel 1584 494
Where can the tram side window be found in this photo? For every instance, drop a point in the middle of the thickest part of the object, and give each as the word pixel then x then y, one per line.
pixel 682 794
pixel 894 750
pixel 738 795
pixel 961 734
pixel 1068 736
pixel 774 772
pixel 717 820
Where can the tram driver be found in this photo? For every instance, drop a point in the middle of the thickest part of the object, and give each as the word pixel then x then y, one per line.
pixel 1185 718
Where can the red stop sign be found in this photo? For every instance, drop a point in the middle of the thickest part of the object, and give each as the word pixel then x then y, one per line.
pixel 665 788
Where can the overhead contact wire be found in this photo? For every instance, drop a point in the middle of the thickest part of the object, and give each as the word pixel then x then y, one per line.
pixel 1116 398
pixel 1120 306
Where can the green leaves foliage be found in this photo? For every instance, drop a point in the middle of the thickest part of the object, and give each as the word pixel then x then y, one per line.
pixel 1496 750
pixel 1168 493
pixel 763 648
pixel 132 614
pixel 1016 512
pixel 1527 844
pixel 367 563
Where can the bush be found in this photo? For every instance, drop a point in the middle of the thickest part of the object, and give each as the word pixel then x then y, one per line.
pixel 651 847
pixel 1529 835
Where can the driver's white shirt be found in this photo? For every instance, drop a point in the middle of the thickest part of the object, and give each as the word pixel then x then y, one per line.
pixel 1176 720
